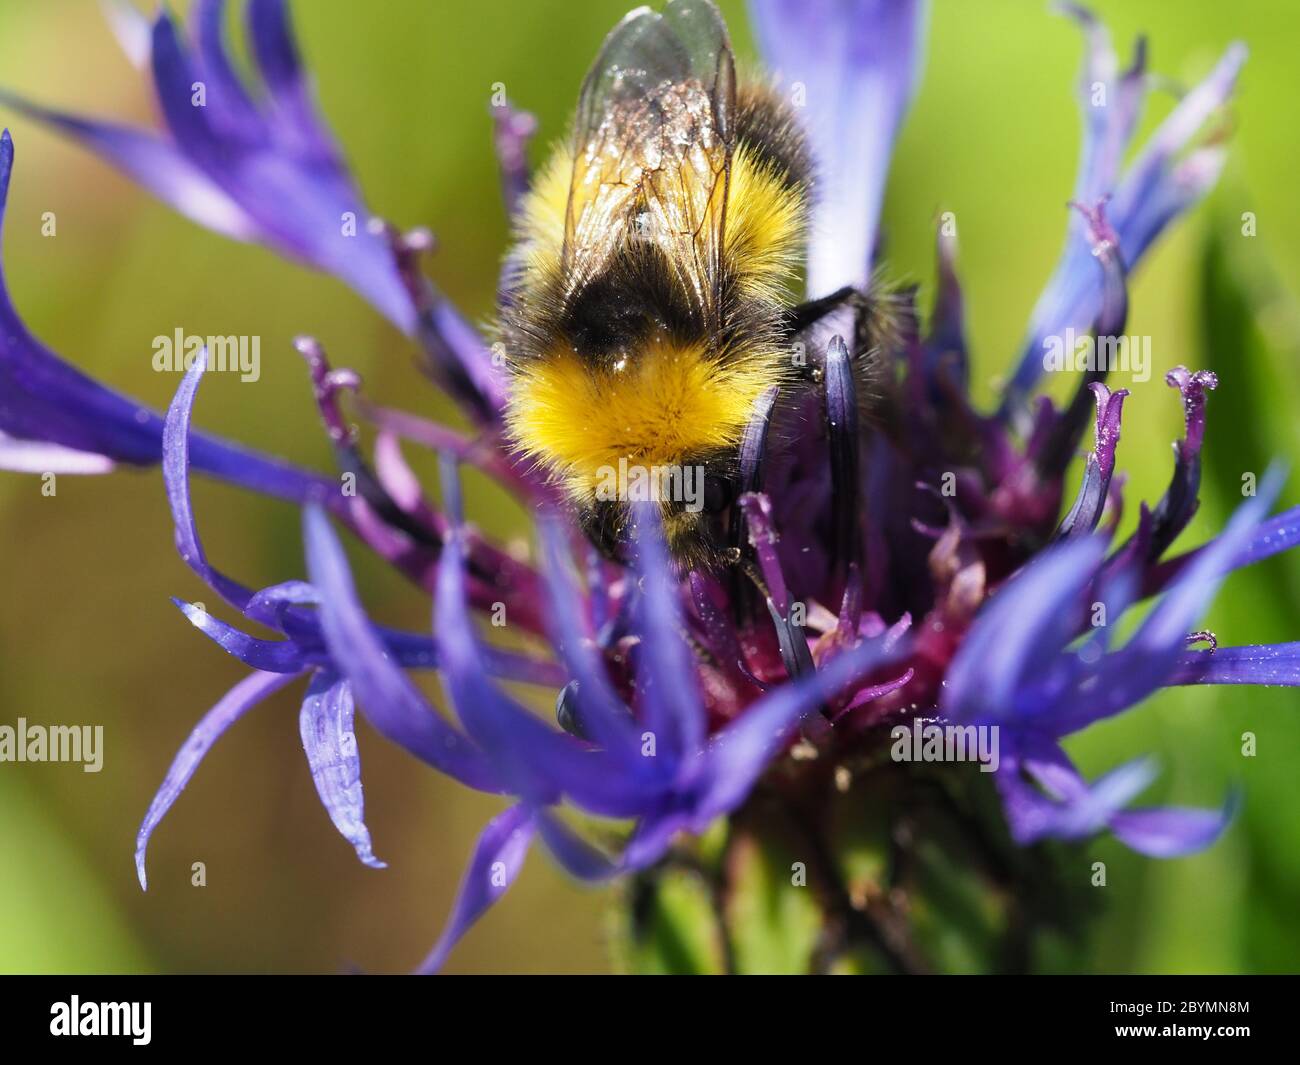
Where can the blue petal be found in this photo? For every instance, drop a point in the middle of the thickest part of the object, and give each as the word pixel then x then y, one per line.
pixel 389 699
pixel 270 175
pixel 325 723
pixel 1091 499
pixel 228 101
pixel 174 80
pixel 1150 658
pixel 1267 664
pixel 577 857
pixel 1155 189
pixel 602 713
pixel 1073 809
pixel 1171 831
pixel 155 164
pixel 858 62
pixel 281 68
pixel 537 762
pixel 269 656
pixel 1024 625
pixel 45 400
pixel 176 471
pixel 1271 537
pixel 242 697
pixel 670 698
pixel 496 861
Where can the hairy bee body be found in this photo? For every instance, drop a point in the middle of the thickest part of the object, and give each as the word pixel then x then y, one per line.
pixel 646 292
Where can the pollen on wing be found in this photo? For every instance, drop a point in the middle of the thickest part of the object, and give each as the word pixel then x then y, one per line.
pixel 665 405
pixel 765 223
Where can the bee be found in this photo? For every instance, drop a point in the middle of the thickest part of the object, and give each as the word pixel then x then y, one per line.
pixel 646 301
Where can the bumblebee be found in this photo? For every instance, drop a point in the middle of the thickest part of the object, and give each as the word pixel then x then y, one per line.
pixel 646 306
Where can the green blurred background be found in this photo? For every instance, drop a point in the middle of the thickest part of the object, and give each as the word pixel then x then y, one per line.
pixel 88 635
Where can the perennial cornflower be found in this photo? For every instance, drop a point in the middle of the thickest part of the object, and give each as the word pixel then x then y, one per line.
pixel 913 569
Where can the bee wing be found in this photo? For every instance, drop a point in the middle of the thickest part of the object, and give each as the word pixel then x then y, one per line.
pixel 652 148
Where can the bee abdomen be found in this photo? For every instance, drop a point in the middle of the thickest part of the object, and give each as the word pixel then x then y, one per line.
pixel 767 126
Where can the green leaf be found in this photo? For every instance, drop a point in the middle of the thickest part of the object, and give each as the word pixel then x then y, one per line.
pixel 669 927
pixel 772 913
pixel 1249 328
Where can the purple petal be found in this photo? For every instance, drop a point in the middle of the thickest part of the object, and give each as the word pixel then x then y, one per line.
pixel 1170 832
pixel 946 344
pixel 174 79
pixel 457 357
pixel 270 175
pixel 271 35
pixel 757 508
pixel 496 861
pixel 242 697
pixel 719 630
pixel 1108 127
pixel 1180 502
pixel 325 723
pixel 858 62
pixel 791 637
pixel 875 691
pixel 753 445
pixel 1176 613
pixel 1091 500
pixel 1157 186
pixel 513 129
pixel 267 604
pixel 1053 453
pixel 306 645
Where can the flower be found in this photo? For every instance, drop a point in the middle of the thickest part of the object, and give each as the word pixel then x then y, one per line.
pixel 261 166
pixel 918 570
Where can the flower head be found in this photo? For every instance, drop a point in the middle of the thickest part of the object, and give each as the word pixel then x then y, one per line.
pixel 918 567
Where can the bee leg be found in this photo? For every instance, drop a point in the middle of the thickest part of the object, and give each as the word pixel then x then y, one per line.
pixel 805 315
